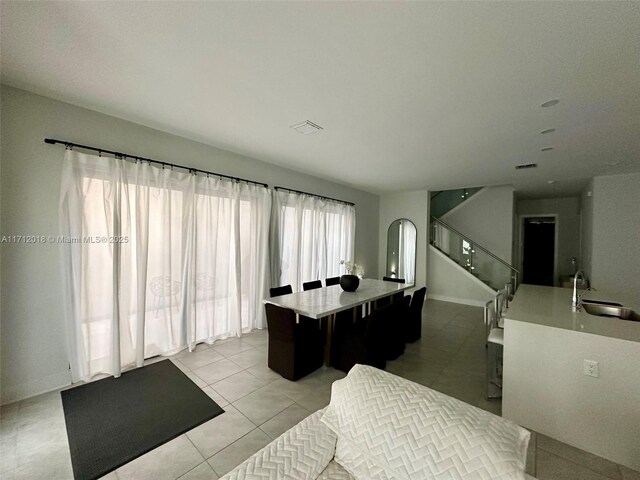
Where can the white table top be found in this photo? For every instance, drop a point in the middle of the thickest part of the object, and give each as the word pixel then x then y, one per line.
pixel 324 301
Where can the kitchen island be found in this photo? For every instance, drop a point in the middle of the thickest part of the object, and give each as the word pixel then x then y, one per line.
pixel 545 387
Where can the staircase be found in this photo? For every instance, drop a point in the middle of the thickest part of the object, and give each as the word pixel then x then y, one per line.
pixel 475 259
pixel 446 200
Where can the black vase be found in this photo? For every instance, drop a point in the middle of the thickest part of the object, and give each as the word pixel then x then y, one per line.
pixel 349 283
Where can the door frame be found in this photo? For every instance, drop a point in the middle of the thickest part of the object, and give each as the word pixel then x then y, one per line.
pixel 521 219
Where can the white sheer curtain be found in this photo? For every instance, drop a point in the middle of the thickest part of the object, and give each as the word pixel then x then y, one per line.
pixel 158 260
pixel 407 263
pixel 309 237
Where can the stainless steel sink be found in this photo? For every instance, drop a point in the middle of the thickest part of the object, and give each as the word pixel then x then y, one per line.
pixel 607 309
pixel 600 302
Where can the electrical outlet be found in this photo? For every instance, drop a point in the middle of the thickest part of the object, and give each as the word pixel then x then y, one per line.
pixel 591 368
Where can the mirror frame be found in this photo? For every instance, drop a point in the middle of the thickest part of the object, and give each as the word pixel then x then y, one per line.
pixel 387 268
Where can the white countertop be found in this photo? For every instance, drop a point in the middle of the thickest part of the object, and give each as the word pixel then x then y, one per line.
pixel 320 302
pixel 551 307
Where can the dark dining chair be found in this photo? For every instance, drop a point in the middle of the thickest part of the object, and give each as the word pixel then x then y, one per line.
pixel 295 348
pixel 392 279
pixel 361 342
pixel 283 290
pixel 413 325
pixel 394 318
pixel 332 281
pixel 395 297
pixel 311 285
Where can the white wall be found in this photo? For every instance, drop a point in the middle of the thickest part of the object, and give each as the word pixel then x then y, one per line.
pixel 568 228
pixel 586 234
pixel 615 263
pixel 545 389
pixel 449 282
pixel 34 352
pixel 413 206
pixel 487 218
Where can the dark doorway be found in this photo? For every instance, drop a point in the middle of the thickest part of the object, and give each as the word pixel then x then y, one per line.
pixel 538 250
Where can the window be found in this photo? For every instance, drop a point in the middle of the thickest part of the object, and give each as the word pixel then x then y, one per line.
pixel 166 259
pixel 310 236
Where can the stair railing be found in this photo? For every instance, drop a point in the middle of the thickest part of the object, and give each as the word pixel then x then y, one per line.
pixel 475 258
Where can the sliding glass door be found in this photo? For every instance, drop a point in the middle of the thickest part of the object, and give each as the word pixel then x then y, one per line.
pixel 158 260
pixel 310 236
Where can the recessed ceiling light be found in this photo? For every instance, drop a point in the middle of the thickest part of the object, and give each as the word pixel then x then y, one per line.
pixel 551 182
pixel 546 149
pixel 550 103
pixel 526 165
pixel 548 130
pixel 306 127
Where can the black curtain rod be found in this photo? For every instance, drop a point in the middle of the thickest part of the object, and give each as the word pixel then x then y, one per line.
pixel 313 195
pixel 53 141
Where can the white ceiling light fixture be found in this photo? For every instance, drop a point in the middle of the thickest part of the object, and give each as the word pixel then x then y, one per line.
pixel 550 103
pixel 551 182
pixel 306 127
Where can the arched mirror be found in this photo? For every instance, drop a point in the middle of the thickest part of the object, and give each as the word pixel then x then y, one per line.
pixel 401 250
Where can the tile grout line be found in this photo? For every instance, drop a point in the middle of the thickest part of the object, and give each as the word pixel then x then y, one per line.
pixel 450 358
pixel 227 446
pixel 188 472
pixel 246 394
pixel 538 447
pixel 257 427
pixel 206 459
pixel 244 369
pixel 194 446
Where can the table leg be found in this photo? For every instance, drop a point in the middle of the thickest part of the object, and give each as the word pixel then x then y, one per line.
pixel 327 348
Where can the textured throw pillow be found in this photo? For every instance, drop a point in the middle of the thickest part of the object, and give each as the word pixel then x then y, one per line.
pixel 302 452
pixel 391 428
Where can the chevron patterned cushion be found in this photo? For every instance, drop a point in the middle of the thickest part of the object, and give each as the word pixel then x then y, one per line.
pixel 334 471
pixel 391 428
pixel 302 452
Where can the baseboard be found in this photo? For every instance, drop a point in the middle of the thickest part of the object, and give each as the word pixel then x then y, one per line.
pixel 463 301
pixel 15 393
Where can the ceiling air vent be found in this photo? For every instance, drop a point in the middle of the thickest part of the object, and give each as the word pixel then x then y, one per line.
pixel 306 127
pixel 526 165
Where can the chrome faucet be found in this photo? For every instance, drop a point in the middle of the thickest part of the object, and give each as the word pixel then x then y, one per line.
pixel 575 299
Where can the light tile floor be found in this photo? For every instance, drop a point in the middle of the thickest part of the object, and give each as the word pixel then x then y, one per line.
pixel 260 405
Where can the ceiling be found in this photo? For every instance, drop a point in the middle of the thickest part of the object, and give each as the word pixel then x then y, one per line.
pixel 410 95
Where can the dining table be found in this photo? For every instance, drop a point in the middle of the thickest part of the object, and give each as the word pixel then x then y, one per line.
pixel 326 302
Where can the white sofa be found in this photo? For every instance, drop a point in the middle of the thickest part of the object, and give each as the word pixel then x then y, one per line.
pixel 380 426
